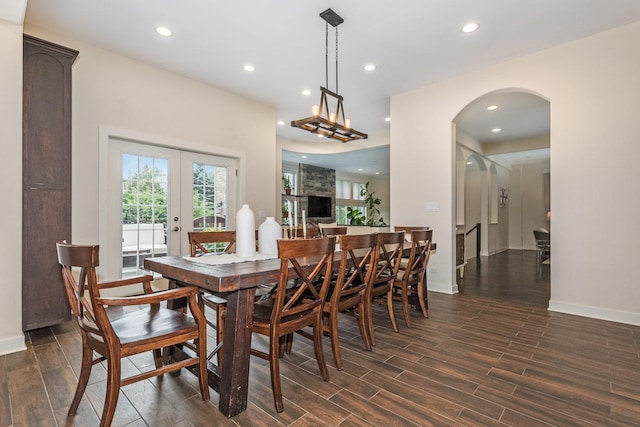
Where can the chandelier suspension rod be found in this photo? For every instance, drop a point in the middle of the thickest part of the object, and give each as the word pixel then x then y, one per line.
pixel 337 91
pixel 326 54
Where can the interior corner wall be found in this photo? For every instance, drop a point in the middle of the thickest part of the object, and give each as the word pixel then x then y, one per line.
pixel 594 189
pixel 114 91
pixel 11 336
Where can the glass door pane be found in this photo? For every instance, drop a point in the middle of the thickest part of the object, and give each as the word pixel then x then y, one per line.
pixel 144 210
pixel 208 194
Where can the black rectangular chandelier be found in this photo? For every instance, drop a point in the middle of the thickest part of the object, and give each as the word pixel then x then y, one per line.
pixel 330 124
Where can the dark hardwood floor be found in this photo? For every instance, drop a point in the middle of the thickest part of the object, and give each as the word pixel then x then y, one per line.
pixel 511 275
pixel 475 361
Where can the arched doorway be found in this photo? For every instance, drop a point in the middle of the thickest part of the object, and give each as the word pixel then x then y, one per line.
pixel 502 172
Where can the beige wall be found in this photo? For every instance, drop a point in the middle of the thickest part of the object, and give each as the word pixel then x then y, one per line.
pixel 11 337
pixel 113 94
pixel 593 85
pixel 527 210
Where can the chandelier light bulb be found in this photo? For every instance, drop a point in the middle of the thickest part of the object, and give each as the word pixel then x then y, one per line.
pixel 347 123
pixel 332 117
pixel 315 110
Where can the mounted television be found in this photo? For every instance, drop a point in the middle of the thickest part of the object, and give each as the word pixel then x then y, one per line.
pixel 319 206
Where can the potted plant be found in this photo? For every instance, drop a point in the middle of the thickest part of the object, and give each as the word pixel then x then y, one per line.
pixel 286 184
pixel 372 206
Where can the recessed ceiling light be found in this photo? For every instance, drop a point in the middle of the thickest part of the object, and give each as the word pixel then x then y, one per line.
pixel 280 123
pixel 492 107
pixel 470 27
pixel 496 130
pixel 377 173
pixel 250 68
pixel 304 156
pixel 359 169
pixel 164 31
pixel 369 67
pixel 306 92
pixel 469 163
pixel 387 119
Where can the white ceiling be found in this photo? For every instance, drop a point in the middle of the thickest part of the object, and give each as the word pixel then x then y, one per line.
pixel 412 43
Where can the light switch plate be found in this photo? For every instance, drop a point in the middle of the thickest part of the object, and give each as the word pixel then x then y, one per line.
pixel 432 206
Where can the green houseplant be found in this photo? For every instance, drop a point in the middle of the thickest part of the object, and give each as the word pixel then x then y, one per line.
pixel 356 217
pixel 286 184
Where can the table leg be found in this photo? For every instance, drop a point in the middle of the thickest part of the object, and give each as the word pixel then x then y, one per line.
pixel 234 381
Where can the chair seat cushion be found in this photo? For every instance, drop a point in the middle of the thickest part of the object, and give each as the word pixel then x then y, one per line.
pixel 150 324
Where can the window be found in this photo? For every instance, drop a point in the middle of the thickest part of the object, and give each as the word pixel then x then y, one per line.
pixel 348 196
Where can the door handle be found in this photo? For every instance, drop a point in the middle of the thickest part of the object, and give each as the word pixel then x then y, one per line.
pixel 175 228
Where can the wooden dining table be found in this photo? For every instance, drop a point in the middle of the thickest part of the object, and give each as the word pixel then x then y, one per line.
pixel 238 281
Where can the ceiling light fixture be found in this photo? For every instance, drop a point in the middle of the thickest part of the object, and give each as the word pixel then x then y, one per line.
pixel 164 31
pixel 492 107
pixel 496 130
pixel 322 122
pixel 387 119
pixel 250 68
pixel 470 28
pixel 369 67
pixel 280 123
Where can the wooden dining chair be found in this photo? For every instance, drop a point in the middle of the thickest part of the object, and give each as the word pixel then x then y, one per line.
pixel 203 242
pixel 347 292
pixel 411 280
pixel 333 231
pixel 200 243
pixel 408 229
pixel 291 309
pixel 298 232
pixel 150 327
pixel 389 247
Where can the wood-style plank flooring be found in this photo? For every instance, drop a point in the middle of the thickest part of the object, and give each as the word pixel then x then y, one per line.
pixel 511 275
pixel 474 361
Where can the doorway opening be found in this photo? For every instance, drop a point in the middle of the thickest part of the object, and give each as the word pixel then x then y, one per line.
pixel 503 195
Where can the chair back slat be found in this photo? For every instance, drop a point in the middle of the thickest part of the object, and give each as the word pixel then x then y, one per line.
pixel 389 252
pixel 354 274
pixel 305 297
pixel 419 256
pixel 200 241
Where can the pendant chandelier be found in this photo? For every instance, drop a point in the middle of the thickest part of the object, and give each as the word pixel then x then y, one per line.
pixel 331 124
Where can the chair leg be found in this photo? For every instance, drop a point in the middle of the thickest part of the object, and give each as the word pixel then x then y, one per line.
pixel 362 323
pixel 422 297
pixel 335 341
pixel 368 317
pixel 83 379
pixel 274 367
pixel 317 346
pixel 201 347
pixel 219 332
pixel 405 305
pixel 113 390
pixel 392 314
pixel 157 358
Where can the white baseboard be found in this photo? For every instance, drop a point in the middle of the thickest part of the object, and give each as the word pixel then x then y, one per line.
pixel 626 317
pixel 12 344
pixel 442 287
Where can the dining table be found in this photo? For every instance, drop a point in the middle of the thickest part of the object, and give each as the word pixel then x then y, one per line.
pixel 237 281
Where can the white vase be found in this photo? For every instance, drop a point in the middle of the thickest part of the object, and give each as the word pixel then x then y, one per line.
pixel 245 233
pixel 268 234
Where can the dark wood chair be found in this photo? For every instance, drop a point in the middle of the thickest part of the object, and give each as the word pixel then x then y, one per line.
pixel 347 292
pixel 298 232
pixel 200 243
pixel 408 229
pixel 543 244
pixel 333 231
pixel 291 309
pixel 411 281
pixel 149 328
pixel 389 248
pixel 203 242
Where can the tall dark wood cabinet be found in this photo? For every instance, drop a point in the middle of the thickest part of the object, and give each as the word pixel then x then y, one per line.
pixel 46 179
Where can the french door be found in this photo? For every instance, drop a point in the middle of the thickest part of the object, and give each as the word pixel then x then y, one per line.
pixel 157 195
